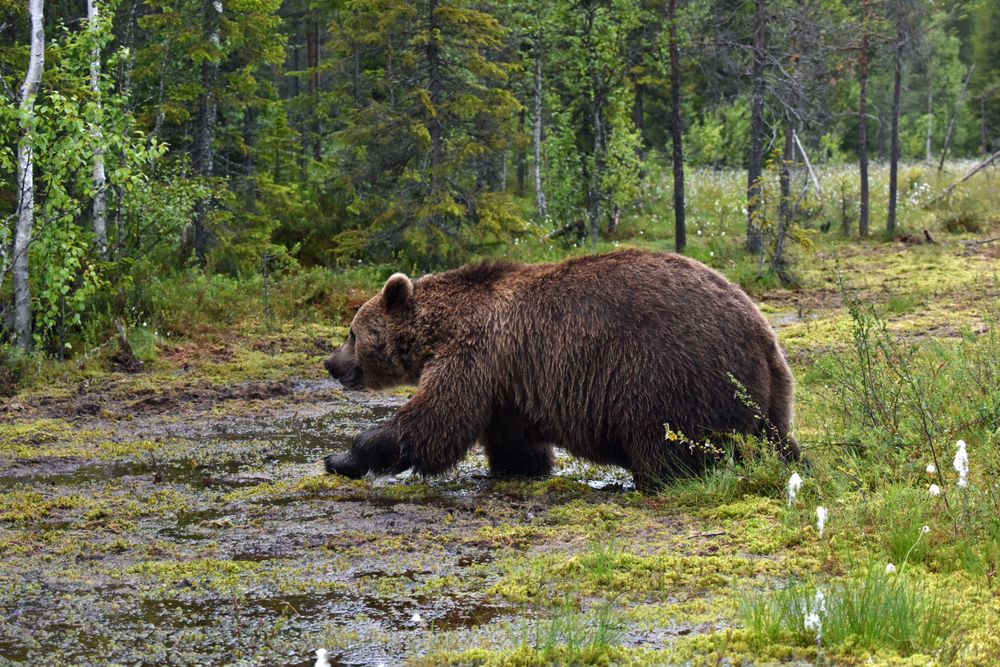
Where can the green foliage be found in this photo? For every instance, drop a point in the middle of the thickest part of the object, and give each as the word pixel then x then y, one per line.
pixel 719 137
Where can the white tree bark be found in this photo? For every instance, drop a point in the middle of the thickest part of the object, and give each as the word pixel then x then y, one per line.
pixel 100 199
pixel 26 180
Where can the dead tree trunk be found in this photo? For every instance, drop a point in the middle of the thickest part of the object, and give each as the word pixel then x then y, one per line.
pixel 897 91
pixel 434 85
pixel 100 199
pixel 779 263
pixel 676 131
pixel 954 117
pixel 540 203
pixel 522 157
pixel 755 236
pixel 312 57
pixel 26 181
pixel 863 65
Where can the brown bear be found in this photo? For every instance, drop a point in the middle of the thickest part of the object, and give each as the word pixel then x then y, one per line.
pixel 601 355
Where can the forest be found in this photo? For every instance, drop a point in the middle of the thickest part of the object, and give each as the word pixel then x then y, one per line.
pixel 186 140
pixel 198 195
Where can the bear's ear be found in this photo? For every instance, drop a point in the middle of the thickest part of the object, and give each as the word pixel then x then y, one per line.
pixel 397 292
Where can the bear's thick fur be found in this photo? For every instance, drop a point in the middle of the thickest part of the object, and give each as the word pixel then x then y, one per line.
pixel 599 355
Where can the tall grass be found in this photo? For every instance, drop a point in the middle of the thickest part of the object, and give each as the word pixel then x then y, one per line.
pixel 868 612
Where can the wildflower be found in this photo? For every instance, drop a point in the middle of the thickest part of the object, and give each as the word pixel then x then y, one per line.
pixel 794 484
pixel 416 618
pixel 962 465
pixel 321 660
pixel 925 530
pixel 821 514
pixel 935 490
pixel 819 602
pixel 931 469
pixel 815 623
pixel 890 569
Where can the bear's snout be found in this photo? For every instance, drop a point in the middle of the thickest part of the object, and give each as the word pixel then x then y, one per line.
pixel 348 372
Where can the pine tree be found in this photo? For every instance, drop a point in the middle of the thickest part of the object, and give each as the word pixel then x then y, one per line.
pixel 428 110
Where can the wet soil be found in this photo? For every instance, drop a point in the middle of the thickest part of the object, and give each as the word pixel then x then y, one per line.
pixel 221 541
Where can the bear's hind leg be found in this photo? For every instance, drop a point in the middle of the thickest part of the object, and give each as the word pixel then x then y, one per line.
pixel 515 450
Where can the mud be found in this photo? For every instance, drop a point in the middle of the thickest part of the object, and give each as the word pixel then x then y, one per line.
pixel 222 542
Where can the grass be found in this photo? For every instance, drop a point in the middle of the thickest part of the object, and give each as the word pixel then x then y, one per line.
pixel 867 612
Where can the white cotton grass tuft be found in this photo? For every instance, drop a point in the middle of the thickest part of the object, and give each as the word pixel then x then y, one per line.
pixel 814 619
pixel 416 618
pixel 924 530
pixel 821 515
pixel 819 602
pixel 962 464
pixel 321 660
pixel 794 486
pixel 931 469
pixel 815 623
pixel 890 569
pixel 934 490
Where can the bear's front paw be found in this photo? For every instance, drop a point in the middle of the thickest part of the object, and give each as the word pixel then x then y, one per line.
pixel 345 464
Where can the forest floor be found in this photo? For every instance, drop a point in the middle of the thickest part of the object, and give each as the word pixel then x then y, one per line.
pixel 180 515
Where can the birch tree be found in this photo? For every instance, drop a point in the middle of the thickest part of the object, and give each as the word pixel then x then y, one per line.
pixel 100 199
pixel 26 180
pixel 204 157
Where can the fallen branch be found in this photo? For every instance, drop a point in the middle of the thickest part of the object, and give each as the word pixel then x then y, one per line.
pixel 809 167
pixel 567 229
pixel 975 242
pixel 975 170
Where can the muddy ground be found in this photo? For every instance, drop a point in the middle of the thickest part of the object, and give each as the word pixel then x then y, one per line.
pixel 195 525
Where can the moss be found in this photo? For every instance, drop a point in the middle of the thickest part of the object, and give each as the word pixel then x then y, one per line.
pixel 314 486
pixel 22 505
pixel 527 656
pixel 551 488
pixel 510 536
pixel 209 574
pixel 629 576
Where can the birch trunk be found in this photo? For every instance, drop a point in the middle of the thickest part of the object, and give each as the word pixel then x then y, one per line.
pixel 26 179
pixel 100 199
pixel 204 155
pixel 540 202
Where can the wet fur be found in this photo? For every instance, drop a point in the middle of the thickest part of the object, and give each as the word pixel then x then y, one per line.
pixel 594 355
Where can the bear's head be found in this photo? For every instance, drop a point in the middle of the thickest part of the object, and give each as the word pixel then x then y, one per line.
pixel 380 350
